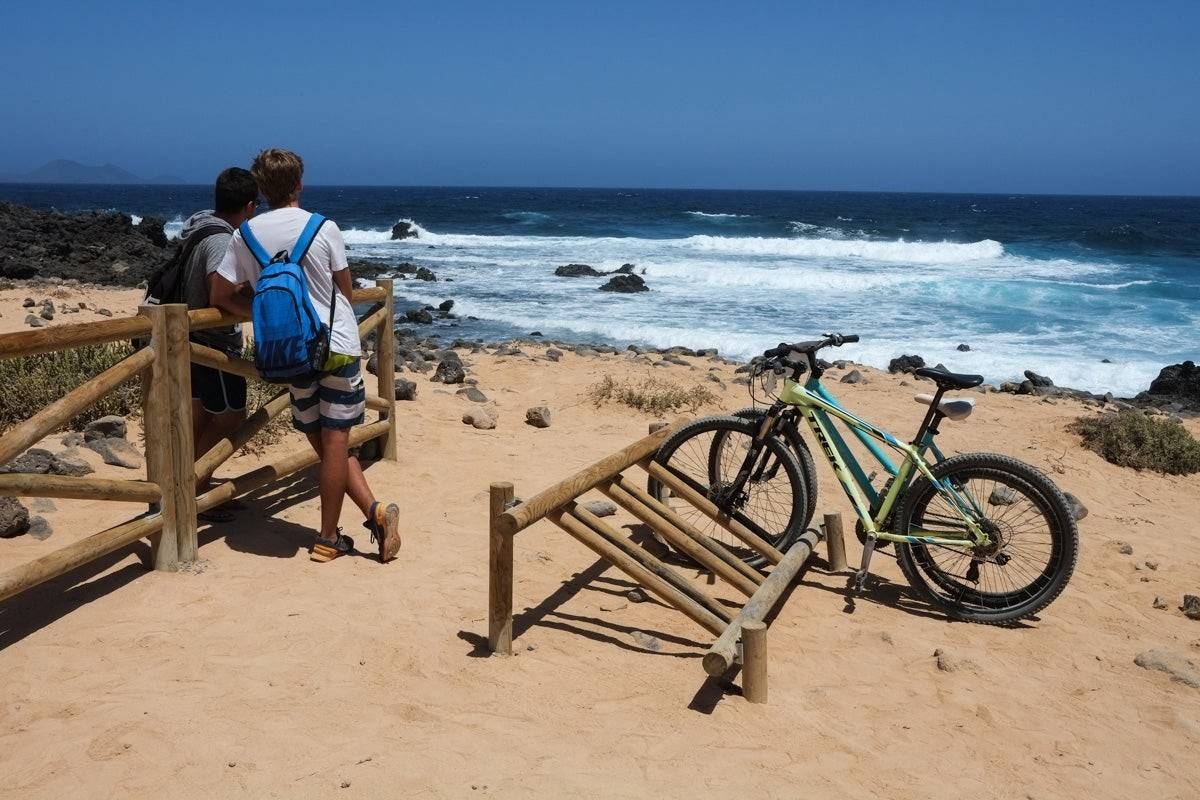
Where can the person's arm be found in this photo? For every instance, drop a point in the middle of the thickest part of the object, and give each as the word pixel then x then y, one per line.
pixel 228 296
pixel 344 283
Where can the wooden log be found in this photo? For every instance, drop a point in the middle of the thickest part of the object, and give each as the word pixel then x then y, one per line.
pixel 517 519
pixel 386 368
pixel 269 473
pixel 648 561
pixel 378 404
pixel 168 420
pixel 677 538
pixel 210 357
pixel 75 555
pixel 721 656
pixel 706 507
pixel 500 573
pixel 65 337
pixel 754 671
pixel 371 321
pixel 712 545
pixel 31 485
pixel 207 464
pixel 835 542
pixel 370 294
pixel 609 552
pixel 54 416
pixel 203 318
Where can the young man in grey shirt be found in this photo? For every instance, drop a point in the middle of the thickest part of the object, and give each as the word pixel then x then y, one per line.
pixel 218 398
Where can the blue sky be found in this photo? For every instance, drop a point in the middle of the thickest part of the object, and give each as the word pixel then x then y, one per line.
pixel 1088 97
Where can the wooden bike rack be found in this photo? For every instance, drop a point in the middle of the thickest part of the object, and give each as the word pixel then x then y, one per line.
pixel 558 504
pixel 172 473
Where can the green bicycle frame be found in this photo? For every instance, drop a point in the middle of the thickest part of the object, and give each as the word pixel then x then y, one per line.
pixel 817 407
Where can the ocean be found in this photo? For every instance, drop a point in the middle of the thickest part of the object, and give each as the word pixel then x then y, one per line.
pixel 1098 293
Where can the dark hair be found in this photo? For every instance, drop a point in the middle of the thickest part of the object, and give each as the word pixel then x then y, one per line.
pixel 278 173
pixel 235 188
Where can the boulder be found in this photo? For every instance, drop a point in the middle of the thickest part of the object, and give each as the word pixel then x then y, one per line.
pixel 853 376
pixel 1039 381
pixel 110 427
pixel 907 364
pixel 963 348
pixel 117 452
pixel 445 306
pixel 553 354
pixel 1191 606
pixel 482 418
pixel 14 518
pixel 425 274
pixel 70 464
pixel 404 230
pixel 538 417
pixel 33 322
pixel 405 389
pixel 449 371
pixel 1178 380
pixel 577 271
pixel 624 269
pixel 627 284
pixel 36 461
pixel 47 313
pixel 421 316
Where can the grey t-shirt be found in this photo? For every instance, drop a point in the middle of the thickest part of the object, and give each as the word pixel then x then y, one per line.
pixel 204 260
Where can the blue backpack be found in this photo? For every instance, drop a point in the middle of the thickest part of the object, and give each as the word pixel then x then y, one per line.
pixel 291 344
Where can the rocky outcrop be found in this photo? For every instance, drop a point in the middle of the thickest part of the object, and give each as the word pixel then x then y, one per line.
pixel 627 284
pixel 907 364
pixel 404 230
pixel 578 271
pixel 1178 381
pixel 95 247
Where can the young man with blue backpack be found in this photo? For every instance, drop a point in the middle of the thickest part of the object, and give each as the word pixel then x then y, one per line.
pixel 306 336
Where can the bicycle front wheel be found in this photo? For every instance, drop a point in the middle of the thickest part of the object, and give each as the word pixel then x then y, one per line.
pixel 708 454
pixel 1035 540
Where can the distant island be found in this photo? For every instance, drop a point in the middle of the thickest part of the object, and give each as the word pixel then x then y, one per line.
pixel 64 170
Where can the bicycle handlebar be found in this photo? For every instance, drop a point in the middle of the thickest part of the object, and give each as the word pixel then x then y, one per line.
pixel 808 348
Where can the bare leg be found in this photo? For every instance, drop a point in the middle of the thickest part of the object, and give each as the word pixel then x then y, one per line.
pixel 356 482
pixel 334 470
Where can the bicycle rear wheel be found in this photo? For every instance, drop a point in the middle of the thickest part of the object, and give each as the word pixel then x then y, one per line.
pixel 1036 540
pixel 707 455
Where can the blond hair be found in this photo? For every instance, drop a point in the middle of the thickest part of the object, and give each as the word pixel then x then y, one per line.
pixel 277 173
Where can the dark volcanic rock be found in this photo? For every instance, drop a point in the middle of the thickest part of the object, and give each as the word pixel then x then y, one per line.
pixel 625 283
pixel 625 269
pixel 405 389
pixel 538 417
pixel 425 274
pixel 419 315
pixel 1039 381
pixel 577 271
pixel 963 348
pixel 449 371
pixel 404 230
pixel 110 427
pixel 152 229
pixel 94 247
pixel 1178 380
pixel 445 306
pixel 36 461
pixel 14 518
pixel 905 364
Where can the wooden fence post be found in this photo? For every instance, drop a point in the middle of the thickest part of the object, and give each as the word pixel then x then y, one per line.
pixel 385 349
pixel 835 543
pixel 500 573
pixel 754 659
pixel 167 417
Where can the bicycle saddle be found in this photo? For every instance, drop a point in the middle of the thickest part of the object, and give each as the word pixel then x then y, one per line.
pixel 955 408
pixel 949 380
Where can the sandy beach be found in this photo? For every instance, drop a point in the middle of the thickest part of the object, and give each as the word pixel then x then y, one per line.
pixel 257 673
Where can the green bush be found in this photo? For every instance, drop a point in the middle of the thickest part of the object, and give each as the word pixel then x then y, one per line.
pixel 651 394
pixel 29 383
pixel 1132 439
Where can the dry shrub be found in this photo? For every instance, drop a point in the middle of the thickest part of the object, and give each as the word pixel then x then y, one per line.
pixel 29 383
pixel 1132 439
pixel 652 395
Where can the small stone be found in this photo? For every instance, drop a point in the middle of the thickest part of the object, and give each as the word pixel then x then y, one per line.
pixel 445 306
pixel 948 662
pixel 963 348
pixel 1078 509
pixel 406 389
pixel 1160 601
pixel 70 464
pixel 47 313
pixel 853 376
pixel 39 529
pixel 35 461
pixel 553 354
pixel 472 394
pixel 42 505
pixel 1151 564
pixel 887 637
pixel 104 312
pixel 72 439
pixel 636 596
pixel 1191 606
pixel 110 427
pixel 613 605
pixel 14 518
pixel 117 452
pixel 531 647
pixel 1180 668
pixel 481 418
pixel 538 417
pixel 29 303
pixel 33 322
pixel 345 784
pixel 601 508
pixel 1002 496
pixel 645 640
pixel 1125 548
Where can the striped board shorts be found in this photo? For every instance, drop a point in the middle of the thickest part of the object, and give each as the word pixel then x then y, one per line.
pixel 337 399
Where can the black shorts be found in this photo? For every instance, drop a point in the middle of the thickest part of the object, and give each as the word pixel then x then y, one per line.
pixel 217 391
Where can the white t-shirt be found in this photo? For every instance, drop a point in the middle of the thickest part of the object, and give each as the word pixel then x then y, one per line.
pixel 278 230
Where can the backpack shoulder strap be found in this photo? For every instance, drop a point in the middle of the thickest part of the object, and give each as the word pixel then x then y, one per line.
pixel 256 248
pixel 315 221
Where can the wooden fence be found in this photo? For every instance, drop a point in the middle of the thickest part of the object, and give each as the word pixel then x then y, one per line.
pixel 172 471
pixel 558 504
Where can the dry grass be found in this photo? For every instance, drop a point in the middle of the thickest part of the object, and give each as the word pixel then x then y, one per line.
pixel 1132 439
pixel 652 395
pixel 33 382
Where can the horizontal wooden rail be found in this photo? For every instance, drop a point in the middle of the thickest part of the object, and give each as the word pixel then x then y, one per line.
pixel 268 473
pixel 721 656
pixel 63 337
pixel 588 478
pixel 371 321
pixel 75 555
pixel 220 452
pixel 32 485
pixel 200 319
pixel 377 403
pixel 61 411
pixel 706 507
pixel 211 357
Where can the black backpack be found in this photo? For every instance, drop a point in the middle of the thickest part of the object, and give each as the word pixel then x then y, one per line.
pixel 166 284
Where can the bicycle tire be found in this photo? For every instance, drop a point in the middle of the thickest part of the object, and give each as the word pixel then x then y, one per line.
pixel 953 594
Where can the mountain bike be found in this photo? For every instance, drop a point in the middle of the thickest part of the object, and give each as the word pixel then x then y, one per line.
pixel 982 536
